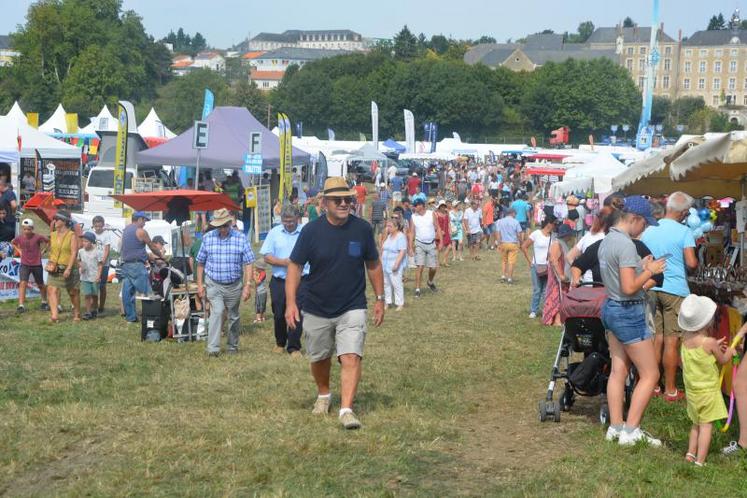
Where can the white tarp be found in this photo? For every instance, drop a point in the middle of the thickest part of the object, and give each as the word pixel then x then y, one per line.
pixel 32 140
pixel 153 127
pixel 597 174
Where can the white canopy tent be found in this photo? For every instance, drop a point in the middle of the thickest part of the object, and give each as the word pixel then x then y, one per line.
pixel 33 140
pixel 103 122
pixel 596 175
pixel 56 122
pixel 16 113
pixel 153 127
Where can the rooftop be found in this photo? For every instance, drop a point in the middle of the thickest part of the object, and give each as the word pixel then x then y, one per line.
pixel 630 35
pixel 252 55
pixel 294 35
pixel 717 37
pixel 304 54
pixel 267 75
pixel 208 54
pixel 4 42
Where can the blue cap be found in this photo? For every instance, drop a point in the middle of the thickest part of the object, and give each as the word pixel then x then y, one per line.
pixel 636 204
pixel 140 214
pixel 89 236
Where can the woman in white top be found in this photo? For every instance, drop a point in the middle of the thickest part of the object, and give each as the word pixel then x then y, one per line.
pixel 539 241
pixel 393 260
pixel 599 229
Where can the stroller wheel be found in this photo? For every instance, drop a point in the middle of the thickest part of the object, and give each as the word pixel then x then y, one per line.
pixel 566 399
pixel 542 410
pixel 604 414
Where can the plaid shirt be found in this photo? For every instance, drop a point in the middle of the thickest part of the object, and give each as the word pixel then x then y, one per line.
pixel 224 259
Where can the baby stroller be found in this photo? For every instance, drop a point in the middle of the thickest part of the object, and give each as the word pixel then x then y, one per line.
pixel 583 332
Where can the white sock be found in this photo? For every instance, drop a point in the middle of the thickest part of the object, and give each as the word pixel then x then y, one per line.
pixel 343 411
pixel 324 396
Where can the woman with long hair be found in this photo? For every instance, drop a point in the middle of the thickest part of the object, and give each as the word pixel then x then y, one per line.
pixel 559 275
pixel 600 225
pixel 444 222
pixel 456 215
pixel 393 252
pixel 539 241
pixel 62 265
pixel 625 275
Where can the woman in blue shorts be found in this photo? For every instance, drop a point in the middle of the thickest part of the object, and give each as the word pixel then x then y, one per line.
pixel 625 275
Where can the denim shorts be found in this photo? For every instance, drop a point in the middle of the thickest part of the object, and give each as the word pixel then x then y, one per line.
pixel 626 320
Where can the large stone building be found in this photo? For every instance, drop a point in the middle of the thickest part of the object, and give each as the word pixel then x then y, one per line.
pixel 335 39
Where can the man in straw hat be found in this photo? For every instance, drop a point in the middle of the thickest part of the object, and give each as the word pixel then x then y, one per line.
pixel 340 249
pixel 224 274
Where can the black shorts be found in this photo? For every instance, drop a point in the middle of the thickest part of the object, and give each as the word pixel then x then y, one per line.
pixel 36 271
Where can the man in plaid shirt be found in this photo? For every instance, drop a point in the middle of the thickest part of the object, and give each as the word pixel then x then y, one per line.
pixel 224 258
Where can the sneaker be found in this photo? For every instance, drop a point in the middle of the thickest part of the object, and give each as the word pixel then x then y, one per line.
pixel 278 349
pixel 631 438
pixel 612 434
pixel 21 309
pixel 432 287
pixel 44 307
pixel 87 316
pixel 732 449
pixel 677 396
pixel 349 421
pixel 60 309
pixel 321 406
pixel 532 315
pixel 510 281
pixel 417 292
pixel 503 278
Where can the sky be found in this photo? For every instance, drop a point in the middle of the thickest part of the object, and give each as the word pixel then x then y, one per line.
pixel 227 22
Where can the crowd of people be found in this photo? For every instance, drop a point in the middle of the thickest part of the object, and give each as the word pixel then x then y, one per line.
pixel 324 245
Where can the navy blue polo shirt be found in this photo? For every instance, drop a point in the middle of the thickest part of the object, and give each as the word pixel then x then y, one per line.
pixel 337 256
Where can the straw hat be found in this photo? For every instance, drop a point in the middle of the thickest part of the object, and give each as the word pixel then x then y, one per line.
pixel 696 312
pixel 221 217
pixel 336 186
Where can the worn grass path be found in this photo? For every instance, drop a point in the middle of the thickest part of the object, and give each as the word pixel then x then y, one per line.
pixel 448 402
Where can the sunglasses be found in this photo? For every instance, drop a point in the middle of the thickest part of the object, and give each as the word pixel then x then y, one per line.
pixel 340 200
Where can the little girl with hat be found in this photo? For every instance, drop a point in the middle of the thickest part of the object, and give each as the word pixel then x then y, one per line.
pixel 701 357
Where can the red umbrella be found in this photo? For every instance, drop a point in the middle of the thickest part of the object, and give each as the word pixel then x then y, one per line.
pixel 193 200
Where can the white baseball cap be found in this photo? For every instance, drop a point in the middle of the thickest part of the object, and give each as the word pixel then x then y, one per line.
pixel 28 222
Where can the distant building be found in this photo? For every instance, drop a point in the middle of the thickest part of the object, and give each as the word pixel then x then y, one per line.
pixel 181 65
pixel 7 54
pixel 210 60
pixel 534 52
pixel 268 68
pixel 342 39
pixel 266 80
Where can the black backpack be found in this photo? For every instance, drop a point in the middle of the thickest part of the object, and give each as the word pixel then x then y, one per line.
pixel 587 377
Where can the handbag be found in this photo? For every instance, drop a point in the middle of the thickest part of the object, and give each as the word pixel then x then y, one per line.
pixel 541 270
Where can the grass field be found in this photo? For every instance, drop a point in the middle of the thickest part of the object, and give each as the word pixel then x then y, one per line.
pixel 448 403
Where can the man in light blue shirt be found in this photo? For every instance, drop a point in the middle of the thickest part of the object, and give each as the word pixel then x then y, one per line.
pixel 276 250
pixel 510 235
pixel 522 209
pixel 675 242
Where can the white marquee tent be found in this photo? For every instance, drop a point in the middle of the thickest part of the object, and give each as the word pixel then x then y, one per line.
pixel 56 122
pixel 33 140
pixel 103 122
pixel 153 127
pixel 597 174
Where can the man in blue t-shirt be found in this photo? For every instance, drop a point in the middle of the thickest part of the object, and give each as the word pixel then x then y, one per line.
pixel 675 242
pixel 523 210
pixel 340 250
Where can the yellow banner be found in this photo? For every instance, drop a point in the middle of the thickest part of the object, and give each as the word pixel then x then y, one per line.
pixel 33 119
pixel 281 166
pixel 71 121
pixel 120 155
pixel 288 155
pixel 250 197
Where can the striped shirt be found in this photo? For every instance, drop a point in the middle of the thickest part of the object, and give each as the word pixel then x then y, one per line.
pixel 224 259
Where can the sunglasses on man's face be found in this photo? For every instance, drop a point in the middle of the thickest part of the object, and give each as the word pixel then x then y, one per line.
pixel 340 200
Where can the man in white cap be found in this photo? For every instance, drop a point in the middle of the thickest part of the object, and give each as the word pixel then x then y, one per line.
pixel 224 275
pixel 340 250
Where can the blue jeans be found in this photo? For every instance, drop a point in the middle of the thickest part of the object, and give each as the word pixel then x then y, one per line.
pixel 134 278
pixel 539 284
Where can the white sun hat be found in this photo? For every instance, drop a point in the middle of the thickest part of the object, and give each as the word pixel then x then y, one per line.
pixel 696 312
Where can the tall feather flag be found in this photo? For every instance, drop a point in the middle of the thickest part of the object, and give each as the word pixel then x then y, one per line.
pixel 330 134
pixel 375 124
pixel 409 131
pixel 281 166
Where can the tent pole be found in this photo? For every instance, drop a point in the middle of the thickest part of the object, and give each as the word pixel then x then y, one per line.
pixel 197 172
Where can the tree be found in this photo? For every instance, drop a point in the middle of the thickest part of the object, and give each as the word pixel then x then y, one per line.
pixel 439 44
pixel 85 53
pixel 585 29
pixel 485 39
pixel 198 43
pixel 587 96
pixel 405 45
pixel 547 32
pixel 246 94
pixel 180 101
pixel 628 23
pixel 716 23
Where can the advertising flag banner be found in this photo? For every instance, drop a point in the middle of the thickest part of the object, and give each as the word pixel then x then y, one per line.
pixel 434 136
pixel 299 129
pixel 33 119
pixel 321 172
pixel 120 153
pixel 409 131
pixel 281 168
pixel 208 104
pixel 288 155
pixel 375 124
pixel 361 137
pixel 331 134
pixel 71 122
